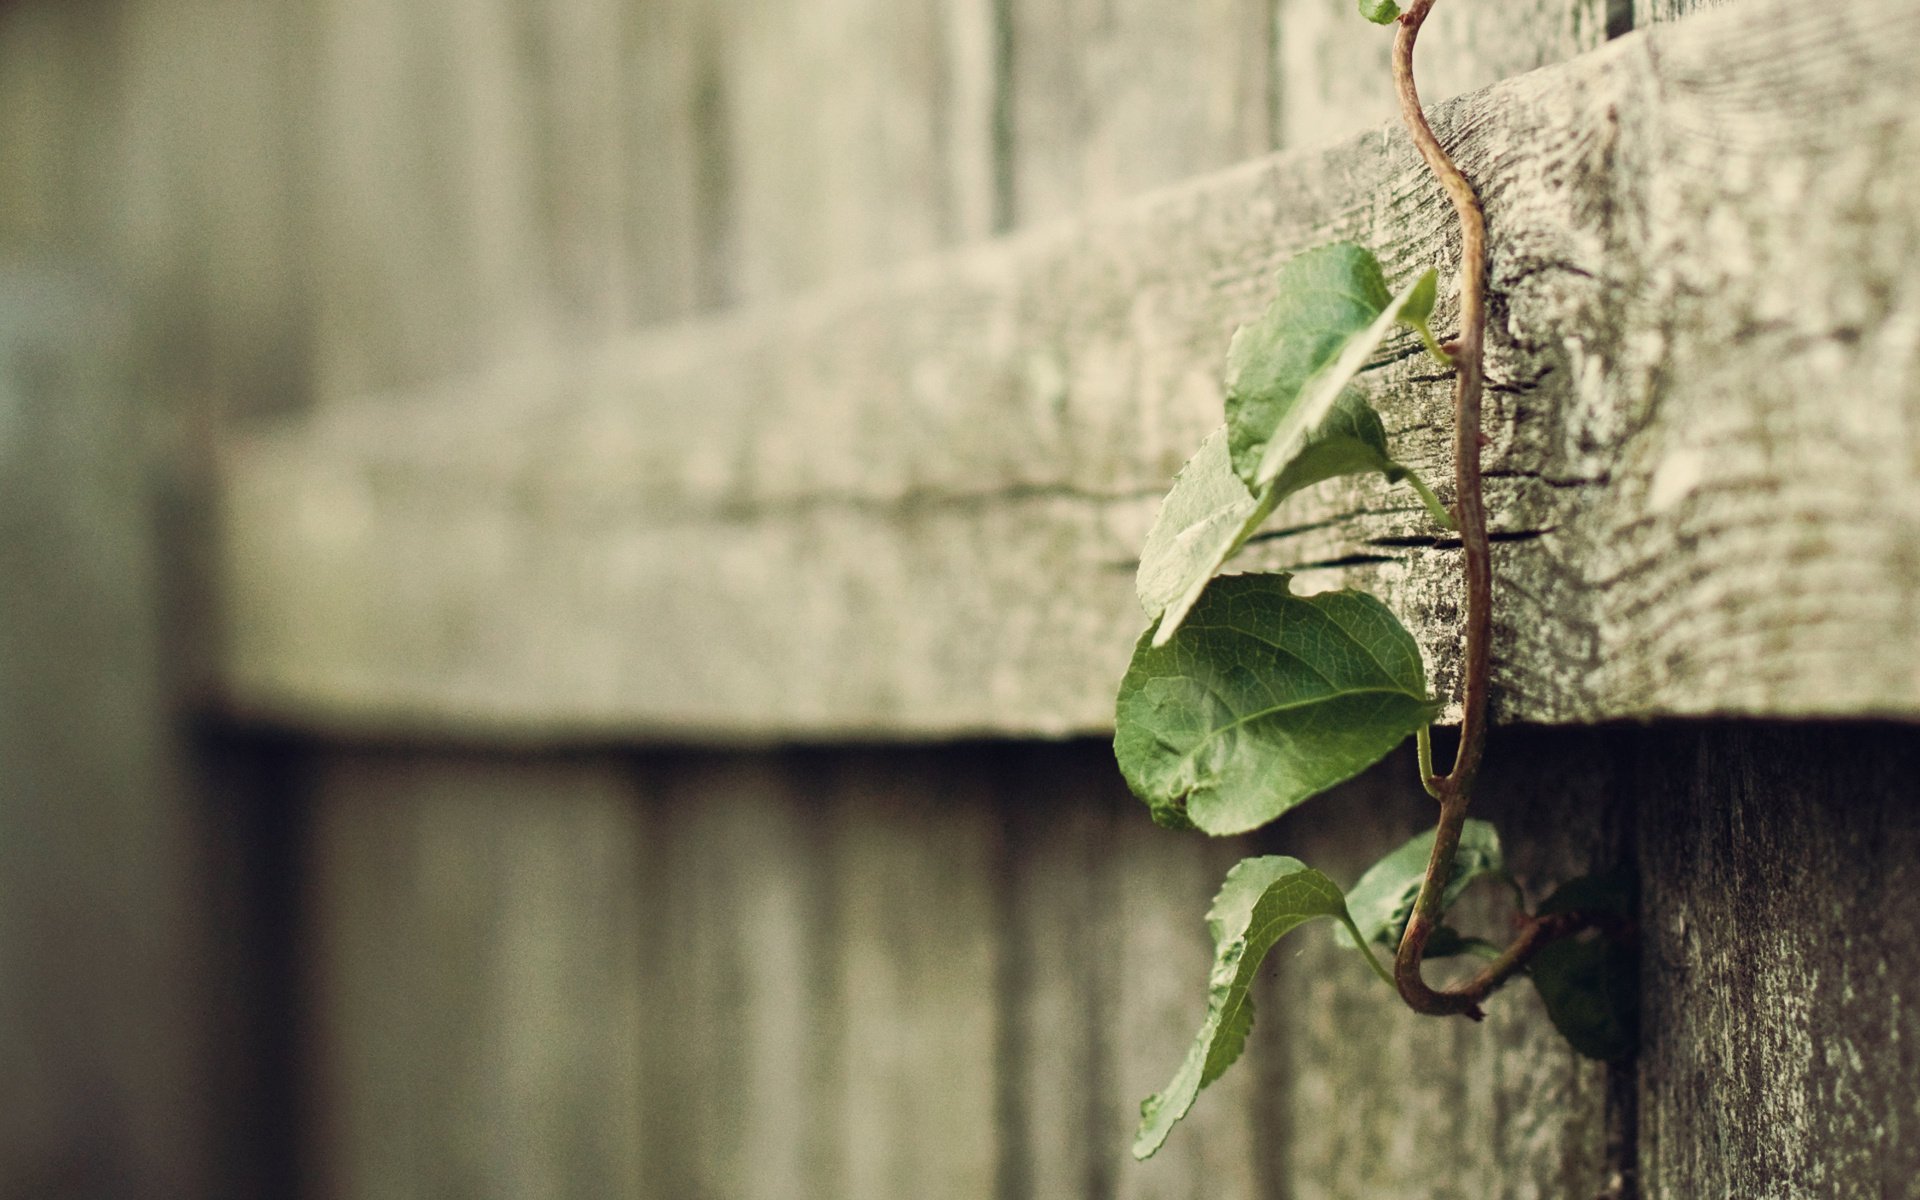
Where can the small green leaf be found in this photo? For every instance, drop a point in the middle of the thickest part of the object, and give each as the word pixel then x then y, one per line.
pixel 1591 988
pixel 1209 514
pixel 1380 12
pixel 1591 985
pixel 1262 900
pixel 1605 893
pixel 1264 699
pixel 1285 371
pixel 1383 898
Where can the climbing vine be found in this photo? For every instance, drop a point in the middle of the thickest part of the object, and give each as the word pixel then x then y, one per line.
pixel 1244 699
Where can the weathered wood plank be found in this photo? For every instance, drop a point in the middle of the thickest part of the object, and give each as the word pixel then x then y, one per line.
pixel 477 989
pixel 105 1079
pixel 910 505
pixel 1330 63
pixel 743 1056
pixel 916 865
pixel 1779 865
pixel 859 133
pixel 1106 100
pixel 1382 1102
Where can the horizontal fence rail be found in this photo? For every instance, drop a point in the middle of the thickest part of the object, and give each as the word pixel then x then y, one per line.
pixel 909 505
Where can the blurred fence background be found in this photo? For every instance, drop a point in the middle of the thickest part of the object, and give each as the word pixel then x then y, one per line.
pixel 291 958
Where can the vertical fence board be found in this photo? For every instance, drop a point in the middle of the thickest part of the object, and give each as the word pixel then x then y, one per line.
pixel 478 998
pixel 1782 1050
pixel 1334 72
pixel 1106 100
pixel 1108 954
pixel 103 1041
pixel 859 134
pixel 742 1050
pixel 916 870
pixel 1648 12
pixel 1388 1103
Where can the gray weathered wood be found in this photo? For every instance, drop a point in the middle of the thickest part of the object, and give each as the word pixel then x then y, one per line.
pixel 860 133
pixel 1779 866
pixel 1331 63
pixel 477 983
pixel 1381 1102
pixel 104 1038
pixel 1106 100
pixel 911 504
pixel 744 1073
pixel 1646 12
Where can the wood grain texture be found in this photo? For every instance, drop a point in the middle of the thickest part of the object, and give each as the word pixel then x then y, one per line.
pixel 744 1069
pixel 1780 1057
pixel 1647 12
pixel 1108 99
pixel 1330 62
pixel 911 504
pixel 1382 1102
pixel 478 987
pixel 104 1035
pixel 860 133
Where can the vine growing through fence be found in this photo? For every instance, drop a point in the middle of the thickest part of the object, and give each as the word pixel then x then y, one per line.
pixel 1244 699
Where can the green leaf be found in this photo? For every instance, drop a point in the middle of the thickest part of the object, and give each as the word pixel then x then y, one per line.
pixel 1605 894
pixel 1591 988
pixel 1210 514
pixel 1591 985
pixel 1207 516
pixel 1262 900
pixel 1383 898
pixel 1286 370
pixel 1380 12
pixel 1264 699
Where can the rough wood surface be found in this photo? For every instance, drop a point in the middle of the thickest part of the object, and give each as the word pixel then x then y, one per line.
pixel 1781 1058
pixel 910 505
pixel 477 985
pixel 1329 64
pixel 1380 1102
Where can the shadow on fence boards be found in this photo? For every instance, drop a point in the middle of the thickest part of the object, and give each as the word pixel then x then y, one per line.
pixel 565 567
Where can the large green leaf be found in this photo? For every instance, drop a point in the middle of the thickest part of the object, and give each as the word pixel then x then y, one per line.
pixel 1210 514
pixel 1330 313
pixel 1591 985
pixel 1380 12
pixel 1262 900
pixel 1264 699
pixel 1383 898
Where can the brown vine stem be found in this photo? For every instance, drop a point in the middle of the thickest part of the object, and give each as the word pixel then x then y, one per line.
pixel 1469 512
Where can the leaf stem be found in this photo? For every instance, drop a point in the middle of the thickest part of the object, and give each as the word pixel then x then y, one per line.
pixel 1423 738
pixel 1435 509
pixel 1367 950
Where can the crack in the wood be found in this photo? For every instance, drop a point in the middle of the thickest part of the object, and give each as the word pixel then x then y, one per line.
pixel 1577 481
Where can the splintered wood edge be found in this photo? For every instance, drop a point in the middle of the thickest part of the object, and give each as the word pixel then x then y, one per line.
pixel 910 507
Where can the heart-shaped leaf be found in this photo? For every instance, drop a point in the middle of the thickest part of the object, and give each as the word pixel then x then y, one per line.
pixel 1380 12
pixel 1264 699
pixel 1262 900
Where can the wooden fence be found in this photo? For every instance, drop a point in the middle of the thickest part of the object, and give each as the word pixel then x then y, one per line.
pixel 568 561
